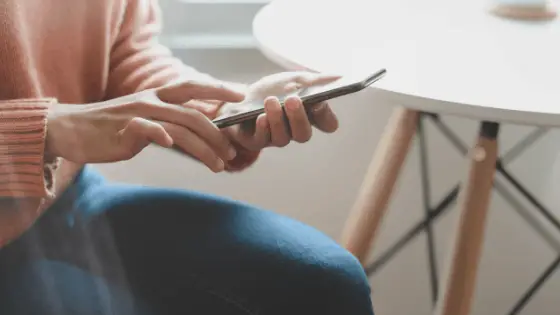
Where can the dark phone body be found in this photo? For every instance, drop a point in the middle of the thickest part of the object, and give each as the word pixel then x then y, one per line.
pixel 310 99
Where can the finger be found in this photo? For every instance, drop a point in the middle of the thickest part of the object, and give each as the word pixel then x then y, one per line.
pixel 299 123
pixel 310 78
pixel 196 122
pixel 208 108
pixel 254 135
pixel 262 135
pixel 322 117
pixel 191 144
pixel 140 132
pixel 292 87
pixel 185 91
pixel 275 116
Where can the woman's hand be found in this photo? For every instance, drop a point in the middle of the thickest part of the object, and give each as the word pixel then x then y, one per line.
pixel 119 129
pixel 274 127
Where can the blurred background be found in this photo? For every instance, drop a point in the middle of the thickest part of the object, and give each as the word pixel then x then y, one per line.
pixel 318 182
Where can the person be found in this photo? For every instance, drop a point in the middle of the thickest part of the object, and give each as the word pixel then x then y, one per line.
pixel 85 82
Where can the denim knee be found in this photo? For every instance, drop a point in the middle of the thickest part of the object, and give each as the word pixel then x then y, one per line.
pixel 335 279
pixel 302 271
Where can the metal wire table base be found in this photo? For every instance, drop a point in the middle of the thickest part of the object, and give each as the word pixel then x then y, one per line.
pixel 432 213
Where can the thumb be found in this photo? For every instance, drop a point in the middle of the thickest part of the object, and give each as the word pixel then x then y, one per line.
pixel 182 92
pixel 311 78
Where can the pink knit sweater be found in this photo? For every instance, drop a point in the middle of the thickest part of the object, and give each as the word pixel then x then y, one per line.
pixel 72 52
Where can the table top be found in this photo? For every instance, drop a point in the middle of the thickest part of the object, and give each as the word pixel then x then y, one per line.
pixel 442 56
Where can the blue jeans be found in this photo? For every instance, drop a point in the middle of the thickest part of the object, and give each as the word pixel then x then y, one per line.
pixel 106 248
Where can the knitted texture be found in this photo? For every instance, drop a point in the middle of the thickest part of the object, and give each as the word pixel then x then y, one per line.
pixel 73 52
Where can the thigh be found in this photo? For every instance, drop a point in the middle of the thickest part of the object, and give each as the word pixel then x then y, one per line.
pixel 190 252
pixel 54 288
pixel 184 252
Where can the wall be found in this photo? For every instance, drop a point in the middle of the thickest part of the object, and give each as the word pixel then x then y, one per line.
pixel 317 183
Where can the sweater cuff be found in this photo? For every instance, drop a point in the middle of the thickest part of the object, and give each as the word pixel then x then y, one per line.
pixel 25 169
pixel 242 160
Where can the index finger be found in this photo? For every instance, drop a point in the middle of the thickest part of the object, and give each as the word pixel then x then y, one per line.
pixel 193 120
pixel 185 91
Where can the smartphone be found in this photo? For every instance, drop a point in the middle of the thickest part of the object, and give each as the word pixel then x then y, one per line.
pixel 309 96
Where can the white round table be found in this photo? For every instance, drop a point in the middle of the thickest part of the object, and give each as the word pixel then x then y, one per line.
pixel 443 57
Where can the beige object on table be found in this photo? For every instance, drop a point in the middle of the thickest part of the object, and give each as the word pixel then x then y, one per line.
pixel 532 10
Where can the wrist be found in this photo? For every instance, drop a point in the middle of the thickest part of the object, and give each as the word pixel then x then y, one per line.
pixel 57 128
pixel 51 131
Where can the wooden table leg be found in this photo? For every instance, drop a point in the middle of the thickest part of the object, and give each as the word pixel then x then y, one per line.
pixel 370 207
pixel 459 280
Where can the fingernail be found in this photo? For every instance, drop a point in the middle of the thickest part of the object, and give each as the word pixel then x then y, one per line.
pixel 331 75
pixel 219 165
pixel 292 87
pixel 292 105
pixel 232 153
pixel 271 99
pixel 318 107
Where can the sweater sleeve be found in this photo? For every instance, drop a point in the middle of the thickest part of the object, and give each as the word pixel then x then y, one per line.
pixel 139 62
pixel 25 169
